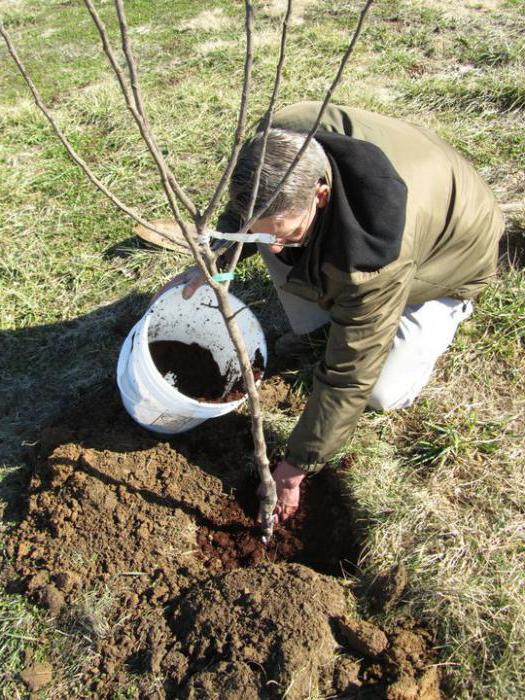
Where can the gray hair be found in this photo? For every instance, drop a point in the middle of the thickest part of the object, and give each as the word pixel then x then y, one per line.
pixel 281 149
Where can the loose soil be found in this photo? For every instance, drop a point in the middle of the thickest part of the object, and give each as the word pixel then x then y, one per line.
pixel 193 371
pixel 147 549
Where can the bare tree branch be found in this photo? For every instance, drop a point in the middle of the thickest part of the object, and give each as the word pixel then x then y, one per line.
pixel 268 117
pixel 268 125
pixel 344 60
pixel 139 102
pixel 241 121
pixel 67 144
pixel 269 498
pixel 146 134
pixel 126 48
pixel 142 124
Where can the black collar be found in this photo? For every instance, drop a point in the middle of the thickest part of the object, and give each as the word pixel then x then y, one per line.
pixel 361 228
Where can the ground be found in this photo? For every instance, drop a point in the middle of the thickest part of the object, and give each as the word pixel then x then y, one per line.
pixel 131 565
pixel 150 550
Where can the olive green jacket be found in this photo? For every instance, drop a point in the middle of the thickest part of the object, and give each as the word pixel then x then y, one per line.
pixel 448 249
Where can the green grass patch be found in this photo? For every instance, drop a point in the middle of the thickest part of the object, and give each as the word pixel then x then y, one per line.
pixel 469 92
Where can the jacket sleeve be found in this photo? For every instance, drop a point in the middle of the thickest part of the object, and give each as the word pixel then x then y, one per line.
pixel 364 320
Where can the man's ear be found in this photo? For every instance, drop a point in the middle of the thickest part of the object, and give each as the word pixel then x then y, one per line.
pixel 322 195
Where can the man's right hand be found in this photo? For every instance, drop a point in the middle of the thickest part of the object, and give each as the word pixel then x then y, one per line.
pixel 192 279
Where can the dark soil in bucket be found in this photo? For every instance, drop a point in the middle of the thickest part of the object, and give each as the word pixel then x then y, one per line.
pixel 193 371
pixel 145 553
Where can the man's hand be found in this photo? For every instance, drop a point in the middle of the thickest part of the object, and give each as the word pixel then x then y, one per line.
pixel 192 282
pixel 287 481
pixel 192 279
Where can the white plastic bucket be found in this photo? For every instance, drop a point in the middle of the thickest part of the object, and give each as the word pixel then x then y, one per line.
pixel 147 396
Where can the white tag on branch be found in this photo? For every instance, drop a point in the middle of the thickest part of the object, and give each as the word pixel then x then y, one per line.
pixel 267 238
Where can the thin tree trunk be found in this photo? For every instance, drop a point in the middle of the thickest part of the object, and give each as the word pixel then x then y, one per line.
pixel 202 254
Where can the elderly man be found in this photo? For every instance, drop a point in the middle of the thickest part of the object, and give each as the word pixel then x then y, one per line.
pixel 386 234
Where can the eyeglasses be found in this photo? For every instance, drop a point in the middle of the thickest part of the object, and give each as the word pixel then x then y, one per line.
pixel 226 240
pixel 306 235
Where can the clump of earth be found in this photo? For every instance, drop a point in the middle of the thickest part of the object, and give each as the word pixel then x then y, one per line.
pixel 147 550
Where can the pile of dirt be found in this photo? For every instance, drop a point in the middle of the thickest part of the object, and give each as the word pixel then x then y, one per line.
pixel 276 631
pixel 193 371
pixel 273 622
pixel 148 550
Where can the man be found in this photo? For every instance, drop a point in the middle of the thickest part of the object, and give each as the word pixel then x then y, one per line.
pixel 386 234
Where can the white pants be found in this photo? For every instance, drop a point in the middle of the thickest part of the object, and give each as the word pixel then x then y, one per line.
pixel 424 333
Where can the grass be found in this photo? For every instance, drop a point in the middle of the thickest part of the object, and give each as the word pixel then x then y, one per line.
pixel 27 638
pixel 443 493
pixel 440 486
pixel 447 500
pixel 19 630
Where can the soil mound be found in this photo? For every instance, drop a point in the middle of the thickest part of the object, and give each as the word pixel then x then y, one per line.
pixel 271 621
pixel 138 546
